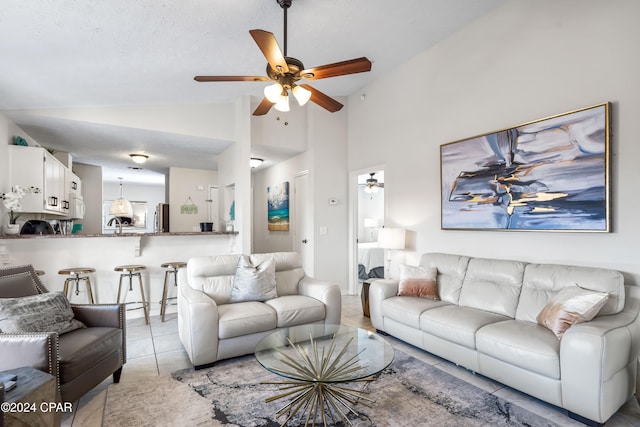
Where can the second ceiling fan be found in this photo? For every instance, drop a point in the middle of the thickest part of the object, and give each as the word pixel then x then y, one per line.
pixel 286 72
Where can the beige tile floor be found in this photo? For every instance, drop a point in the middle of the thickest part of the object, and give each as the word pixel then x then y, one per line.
pixel 155 349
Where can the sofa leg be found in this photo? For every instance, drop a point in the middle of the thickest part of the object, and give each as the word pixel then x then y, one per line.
pixel 584 420
pixel 383 333
pixel 116 375
pixel 206 365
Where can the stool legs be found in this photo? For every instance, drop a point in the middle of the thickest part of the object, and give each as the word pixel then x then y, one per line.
pixel 76 278
pixel 167 275
pixel 144 300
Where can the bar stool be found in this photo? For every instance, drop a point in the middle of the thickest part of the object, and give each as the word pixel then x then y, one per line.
pixel 77 274
pixel 128 271
pixel 172 268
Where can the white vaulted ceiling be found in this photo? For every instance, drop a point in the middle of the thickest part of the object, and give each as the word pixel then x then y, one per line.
pixel 66 54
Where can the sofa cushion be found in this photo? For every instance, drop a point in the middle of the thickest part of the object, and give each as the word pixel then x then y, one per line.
pixel 294 310
pixel 407 310
pixel 418 282
pixel 213 275
pixel 48 312
pixel 492 285
pixel 523 344
pixel 457 324
pixel 543 281
pixel 245 318
pixel 254 282
pixel 289 270
pixel 451 271
pixel 570 306
pixel 83 349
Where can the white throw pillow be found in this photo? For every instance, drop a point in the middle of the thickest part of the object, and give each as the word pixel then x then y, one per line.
pixel 418 282
pixel 571 305
pixel 254 282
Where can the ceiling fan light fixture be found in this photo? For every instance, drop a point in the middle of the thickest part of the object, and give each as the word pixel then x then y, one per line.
pixel 282 104
pixel 139 158
pixel 302 95
pixel 273 92
pixel 371 189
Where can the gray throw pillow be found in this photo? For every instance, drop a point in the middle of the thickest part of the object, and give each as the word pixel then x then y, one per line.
pixel 48 312
pixel 254 282
pixel 18 285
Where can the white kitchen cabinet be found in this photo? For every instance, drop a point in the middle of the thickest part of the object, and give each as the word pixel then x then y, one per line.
pixel 36 168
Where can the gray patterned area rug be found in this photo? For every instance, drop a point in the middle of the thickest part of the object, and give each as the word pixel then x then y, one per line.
pixel 408 393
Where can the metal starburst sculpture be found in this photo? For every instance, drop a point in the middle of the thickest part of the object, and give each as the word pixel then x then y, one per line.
pixel 320 390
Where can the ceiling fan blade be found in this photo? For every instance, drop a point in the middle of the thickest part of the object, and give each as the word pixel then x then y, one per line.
pixel 230 78
pixel 352 66
pixel 263 108
pixel 267 43
pixel 323 100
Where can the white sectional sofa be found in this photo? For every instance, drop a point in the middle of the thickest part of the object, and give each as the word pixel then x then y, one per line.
pixel 211 328
pixel 486 321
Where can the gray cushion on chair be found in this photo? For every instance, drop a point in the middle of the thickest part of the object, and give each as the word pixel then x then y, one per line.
pixel 48 312
pixel 254 282
pixel 19 284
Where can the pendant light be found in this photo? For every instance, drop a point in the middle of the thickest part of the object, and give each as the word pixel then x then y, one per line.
pixel 120 206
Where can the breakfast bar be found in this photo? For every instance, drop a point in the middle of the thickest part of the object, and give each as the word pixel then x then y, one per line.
pixel 103 252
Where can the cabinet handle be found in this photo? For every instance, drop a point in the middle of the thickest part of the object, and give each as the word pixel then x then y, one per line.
pixel 53 201
pixel 74 185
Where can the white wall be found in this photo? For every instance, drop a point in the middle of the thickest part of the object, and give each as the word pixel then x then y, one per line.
pixel 152 194
pixel 370 206
pixel 263 239
pixel 91 177
pixel 187 186
pixel 524 61
pixel 326 161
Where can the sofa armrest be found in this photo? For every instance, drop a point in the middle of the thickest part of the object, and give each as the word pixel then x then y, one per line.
pixel 36 349
pixel 106 316
pixel 197 324
pixel 328 293
pixel 100 315
pixel 596 356
pixel 380 290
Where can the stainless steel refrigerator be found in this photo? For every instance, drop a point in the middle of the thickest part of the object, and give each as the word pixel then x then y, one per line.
pixel 162 218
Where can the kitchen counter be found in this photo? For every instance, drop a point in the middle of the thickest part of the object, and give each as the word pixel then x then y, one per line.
pixel 124 234
pixel 103 252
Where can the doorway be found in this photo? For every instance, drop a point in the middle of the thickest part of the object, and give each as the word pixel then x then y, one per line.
pixel 303 225
pixel 367 211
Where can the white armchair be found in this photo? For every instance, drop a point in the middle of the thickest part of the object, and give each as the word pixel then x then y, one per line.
pixel 213 329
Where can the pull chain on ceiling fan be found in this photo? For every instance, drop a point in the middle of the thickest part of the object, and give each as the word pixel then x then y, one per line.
pixel 286 71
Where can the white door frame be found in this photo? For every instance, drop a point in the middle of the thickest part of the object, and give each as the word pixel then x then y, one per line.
pixel 353 223
pixel 306 250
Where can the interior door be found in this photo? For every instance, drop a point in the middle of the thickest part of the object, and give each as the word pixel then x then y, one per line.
pixel 303 234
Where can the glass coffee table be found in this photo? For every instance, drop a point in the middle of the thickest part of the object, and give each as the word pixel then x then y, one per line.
pixel 316 362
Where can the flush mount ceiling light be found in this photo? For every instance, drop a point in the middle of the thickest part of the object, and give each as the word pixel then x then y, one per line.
pixel 254 162
pixel 139 158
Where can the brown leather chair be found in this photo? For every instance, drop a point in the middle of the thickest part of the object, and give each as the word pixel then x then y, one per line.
pixel 80 359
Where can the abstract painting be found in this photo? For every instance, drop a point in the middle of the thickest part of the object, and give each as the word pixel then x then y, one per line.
pixel 278 207
pixel 550 174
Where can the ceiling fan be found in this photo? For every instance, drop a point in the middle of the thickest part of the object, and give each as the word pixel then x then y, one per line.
pixel 286 72
pixel 371 185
